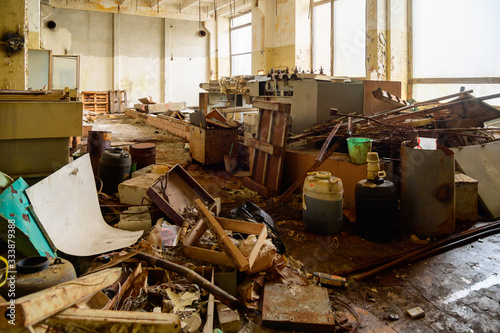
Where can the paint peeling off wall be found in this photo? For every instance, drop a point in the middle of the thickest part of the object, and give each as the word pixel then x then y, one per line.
pixel 141 52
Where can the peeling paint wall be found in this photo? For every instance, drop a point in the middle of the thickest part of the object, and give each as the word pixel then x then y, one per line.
pixel 33 24
pixel 302 35
pixel 187 61
pixel 161 58
pixel 376 39
pixel 140 53
pixel 258 38
pixel 86 34
pixel 13 15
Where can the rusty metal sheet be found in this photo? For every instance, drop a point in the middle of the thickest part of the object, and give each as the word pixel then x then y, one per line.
pixel 175 192
pixel 482 162
pixel 297 308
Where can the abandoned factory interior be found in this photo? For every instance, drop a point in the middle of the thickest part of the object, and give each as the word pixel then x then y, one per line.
pixel 249 166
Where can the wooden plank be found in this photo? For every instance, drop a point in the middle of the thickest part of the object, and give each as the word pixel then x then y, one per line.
pixel 38 306
pixel 227 245
pixel 263 146
pixel 270 105
pixel 215 114
pixel 255 186
pixel 217 124
pixel 213 257
pixel 78 320
pixel 240 226
pixel 275 162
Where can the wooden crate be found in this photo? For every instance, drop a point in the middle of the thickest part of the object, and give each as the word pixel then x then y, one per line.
pixel 208 146
pixel 96 101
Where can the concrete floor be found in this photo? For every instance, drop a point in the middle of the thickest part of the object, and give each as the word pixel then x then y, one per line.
pixel 459 290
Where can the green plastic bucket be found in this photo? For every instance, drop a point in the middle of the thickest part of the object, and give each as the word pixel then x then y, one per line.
pixel 359 149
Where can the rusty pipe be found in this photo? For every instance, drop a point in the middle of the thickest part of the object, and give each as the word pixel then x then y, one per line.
pixel 194 277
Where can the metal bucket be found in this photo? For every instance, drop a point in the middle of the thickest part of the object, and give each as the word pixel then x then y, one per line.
pixel 143 153
pixel 98 142
pixel 427 191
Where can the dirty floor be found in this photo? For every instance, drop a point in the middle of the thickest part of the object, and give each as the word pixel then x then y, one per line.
pixel 458 290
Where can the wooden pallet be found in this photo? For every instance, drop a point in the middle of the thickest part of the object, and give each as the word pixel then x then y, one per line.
pixel 267 151
pixel 117 101
pixel 96 101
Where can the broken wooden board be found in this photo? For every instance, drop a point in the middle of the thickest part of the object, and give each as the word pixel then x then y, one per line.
pixel 197 118
pixel 33 308
pixel 90 320
pixel 192 251
pixel 268 149
pixel 297 308
pixel 482 163
pixel 215 114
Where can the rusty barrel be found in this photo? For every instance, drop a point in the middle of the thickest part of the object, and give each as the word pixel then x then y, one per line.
pixel 427 191
pixel 98 142
pixel 143 153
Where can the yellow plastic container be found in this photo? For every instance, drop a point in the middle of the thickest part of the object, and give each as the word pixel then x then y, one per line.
pixel 322 203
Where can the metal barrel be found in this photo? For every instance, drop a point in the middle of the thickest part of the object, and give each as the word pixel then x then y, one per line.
pixel 427 191
pixel 143 153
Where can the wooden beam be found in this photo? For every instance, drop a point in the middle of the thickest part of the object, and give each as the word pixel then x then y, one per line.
pixel 33 308
pixel 95 6
pixel 188 3
pixel 115 321
pixel 264 146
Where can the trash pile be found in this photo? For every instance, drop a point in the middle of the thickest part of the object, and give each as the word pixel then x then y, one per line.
pixel 169 263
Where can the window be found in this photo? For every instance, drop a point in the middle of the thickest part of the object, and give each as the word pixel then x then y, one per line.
pixel 453 47
pixel 241 44
pixel 349 37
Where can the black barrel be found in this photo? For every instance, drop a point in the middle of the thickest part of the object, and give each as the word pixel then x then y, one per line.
pixel 114 168
pixel 377 213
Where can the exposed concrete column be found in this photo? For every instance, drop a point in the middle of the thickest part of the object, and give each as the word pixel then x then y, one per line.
pixel 376 40
pixel 33 24
pixel 397 60
pixel 163 65
pixel 116 51
pixel 165 77
pixel 13 15
pixel 223 43
pixel 302 35
pixel 259 37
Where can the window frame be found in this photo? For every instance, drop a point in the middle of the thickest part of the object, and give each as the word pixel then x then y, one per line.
pixel 412 81
pixel 231 29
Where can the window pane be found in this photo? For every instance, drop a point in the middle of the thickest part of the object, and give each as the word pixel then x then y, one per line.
pixel 241 40
pixel 322 18
pixel 423 92
pixel 240 20
pixel 349 38
pixel 241 64
pixel 456 38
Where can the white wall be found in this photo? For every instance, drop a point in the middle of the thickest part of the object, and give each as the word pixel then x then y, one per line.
pixel 161 58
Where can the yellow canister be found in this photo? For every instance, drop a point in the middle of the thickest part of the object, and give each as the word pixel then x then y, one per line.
pixel 322 202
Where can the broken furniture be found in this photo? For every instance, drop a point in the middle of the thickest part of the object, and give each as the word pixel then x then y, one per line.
pixel 231 256
pixel 34 135
pixel 175 193
pixel 268 149
pixel 297 308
